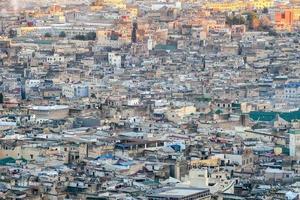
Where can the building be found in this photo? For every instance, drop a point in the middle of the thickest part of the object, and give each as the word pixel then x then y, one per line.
pixel 288 93
pixel 75 90
pixel 49 112
pixel 244 158
pixel 180 194
pixel 239 5
pixel 114 59
pixel 278 175
pixel 134 32
pixel 284 20
pixel 294 143
pixel 178 114
pixel 54 59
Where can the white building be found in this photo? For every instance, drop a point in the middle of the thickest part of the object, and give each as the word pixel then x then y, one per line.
pixel 43 113
pixel 289 93
pixel 32 83
pixel 75 90
pixel 55 59
pixel 216 181
pixel 55 30
pixel 160 5
pixel 295 143
pixel 133 102
pixel 150 44
pixel 114 59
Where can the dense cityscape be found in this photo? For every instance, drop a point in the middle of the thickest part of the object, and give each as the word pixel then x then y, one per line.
pixel 150 99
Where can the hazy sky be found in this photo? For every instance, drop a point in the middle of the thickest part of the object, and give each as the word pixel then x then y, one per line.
pixel 15 4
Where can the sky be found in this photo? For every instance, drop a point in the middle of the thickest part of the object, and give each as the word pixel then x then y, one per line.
pixel 17 4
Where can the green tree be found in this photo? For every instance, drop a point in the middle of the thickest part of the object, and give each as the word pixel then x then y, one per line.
pixel 91 36
pixel 235 20
pixel 62 34
pixel 1 98
pixel 79 37
pixel 265 11
pixel 88 36
pixel 93 96
pixel 48 35
pixel 12 33
pixel 272 32
pixel 253 21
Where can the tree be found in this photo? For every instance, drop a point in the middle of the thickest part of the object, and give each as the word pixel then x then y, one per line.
pixel 48 35
pixel 265 23
pixel 1 98
pixel 79 37
pixel 12 33
pixel 93 96
pixel 255 23
pixel 62 34
pixel 88 36
pixel 91 36
pixel 265 11
pixel 252 20
pixel 235 20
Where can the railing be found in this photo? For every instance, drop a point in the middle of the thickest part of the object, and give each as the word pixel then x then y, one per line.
pixel 229 186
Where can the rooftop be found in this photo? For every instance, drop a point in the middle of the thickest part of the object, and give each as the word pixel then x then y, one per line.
pixel 54 107
pixel 179 192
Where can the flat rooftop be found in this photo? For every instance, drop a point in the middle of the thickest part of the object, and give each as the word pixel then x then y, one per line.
pixel 54 107
pixel 178 192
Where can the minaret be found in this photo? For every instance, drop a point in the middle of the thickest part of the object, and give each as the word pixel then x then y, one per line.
pixel 2 28
pixel 134 31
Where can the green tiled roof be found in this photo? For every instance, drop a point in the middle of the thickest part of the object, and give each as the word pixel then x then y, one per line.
pixel 166 47
pixel 270 116
pixel 236 105
pixel 37 41
pixel 43 42
pixel 285 150
pixel 203 98
pixel 295 131
pixel 219 112
pixel 8 160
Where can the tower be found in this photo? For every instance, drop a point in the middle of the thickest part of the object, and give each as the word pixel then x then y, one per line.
pixel 150 44
pixel 134 32
pixel 2 29
pixel 294 144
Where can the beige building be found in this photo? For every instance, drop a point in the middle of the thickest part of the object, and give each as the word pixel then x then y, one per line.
pixel 49 112
pixel 179 113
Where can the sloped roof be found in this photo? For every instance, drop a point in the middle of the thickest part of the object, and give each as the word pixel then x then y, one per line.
pixel 271 116
pixel 7 160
